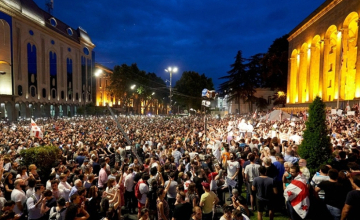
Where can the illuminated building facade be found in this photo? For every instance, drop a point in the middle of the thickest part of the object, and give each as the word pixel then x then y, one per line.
pixel 136 105
pixel 46 66
pixel 324 58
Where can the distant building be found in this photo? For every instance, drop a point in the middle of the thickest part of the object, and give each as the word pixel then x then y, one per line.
pixel 102 81
pixel 103 97
pixel 46 66
pixel 324 56
pixel 232 107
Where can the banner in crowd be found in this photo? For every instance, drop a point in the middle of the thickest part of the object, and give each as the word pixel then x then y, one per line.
pixel 351 113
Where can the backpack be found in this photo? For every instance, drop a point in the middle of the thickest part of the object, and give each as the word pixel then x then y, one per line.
pixel 138 195
pixel 25 209
pixel 55 215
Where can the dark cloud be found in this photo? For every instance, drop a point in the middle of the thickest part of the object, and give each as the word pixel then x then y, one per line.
pixel 202 36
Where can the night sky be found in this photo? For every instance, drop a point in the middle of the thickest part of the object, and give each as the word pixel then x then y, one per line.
pixel 197 35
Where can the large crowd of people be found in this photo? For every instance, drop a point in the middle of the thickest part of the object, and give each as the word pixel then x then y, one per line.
pixel 175 170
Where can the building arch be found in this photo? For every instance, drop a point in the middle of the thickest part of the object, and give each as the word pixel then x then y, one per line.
pixel 294 76
pixel 303 74
pixel 314 88
pixel 350 47
pixel 330 52
pixel 5 58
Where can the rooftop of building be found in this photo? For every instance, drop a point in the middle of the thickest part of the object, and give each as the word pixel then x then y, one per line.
pixel 31 10
pixel 312 15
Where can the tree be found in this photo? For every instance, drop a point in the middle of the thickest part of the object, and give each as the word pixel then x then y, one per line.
pixel 149 87
pixel 275 63
pixel 279 98
pixel 188 89
pixel 316 146
pixel 261 103
pixel 256 69
pixel 240 84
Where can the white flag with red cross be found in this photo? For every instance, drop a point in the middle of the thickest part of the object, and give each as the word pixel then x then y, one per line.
pixel 297 194
pixel 35 130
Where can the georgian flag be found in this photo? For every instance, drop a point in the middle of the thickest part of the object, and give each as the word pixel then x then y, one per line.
pixel 35 130
pixel 298 195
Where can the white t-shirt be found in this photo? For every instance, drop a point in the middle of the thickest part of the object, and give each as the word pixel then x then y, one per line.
pixel 252 171
pixel 192 155
pixel 232 167
pixel 129 182
pixel 144 189
pixel 18 196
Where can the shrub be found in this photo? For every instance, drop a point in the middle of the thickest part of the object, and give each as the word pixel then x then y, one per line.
pixel 44 157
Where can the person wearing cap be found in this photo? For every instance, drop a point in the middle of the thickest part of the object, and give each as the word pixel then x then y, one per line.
pixel 207 200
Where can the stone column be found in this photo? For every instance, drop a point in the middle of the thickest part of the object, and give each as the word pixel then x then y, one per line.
pixel 288 92
pixel 321 72
pixel 325 70
pixel 357 78
pixel 343 62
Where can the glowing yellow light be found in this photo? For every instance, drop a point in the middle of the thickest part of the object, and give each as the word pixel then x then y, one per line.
pixel 339 34
pixel 281 93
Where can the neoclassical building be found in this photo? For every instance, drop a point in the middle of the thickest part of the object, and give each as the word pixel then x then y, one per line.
pixel 46 66
pixel 324 58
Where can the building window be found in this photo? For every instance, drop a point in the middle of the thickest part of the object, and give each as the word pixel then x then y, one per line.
pixel 53 93
pixel 86 51
pixel 52 42
pixel 32 91
pixel 100 82
pixel 69 49
pixel 32 67
pixel 20 92
pixel 31 32
pixel 77 96
pixel 69 70
pixel 62 95
pixel 53 22
pixel 44 93
pixel 69 31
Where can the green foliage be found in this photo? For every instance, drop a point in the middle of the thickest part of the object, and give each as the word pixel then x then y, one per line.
pixel 316 146
pixel 44 158
pixel 275 65
pixel 125 76
pixel 191 84
pixel 240 83
pixel 261 103
pixel 80 111
pixel 279 99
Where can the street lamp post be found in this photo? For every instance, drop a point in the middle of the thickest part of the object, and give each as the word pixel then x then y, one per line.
pixel 171 71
